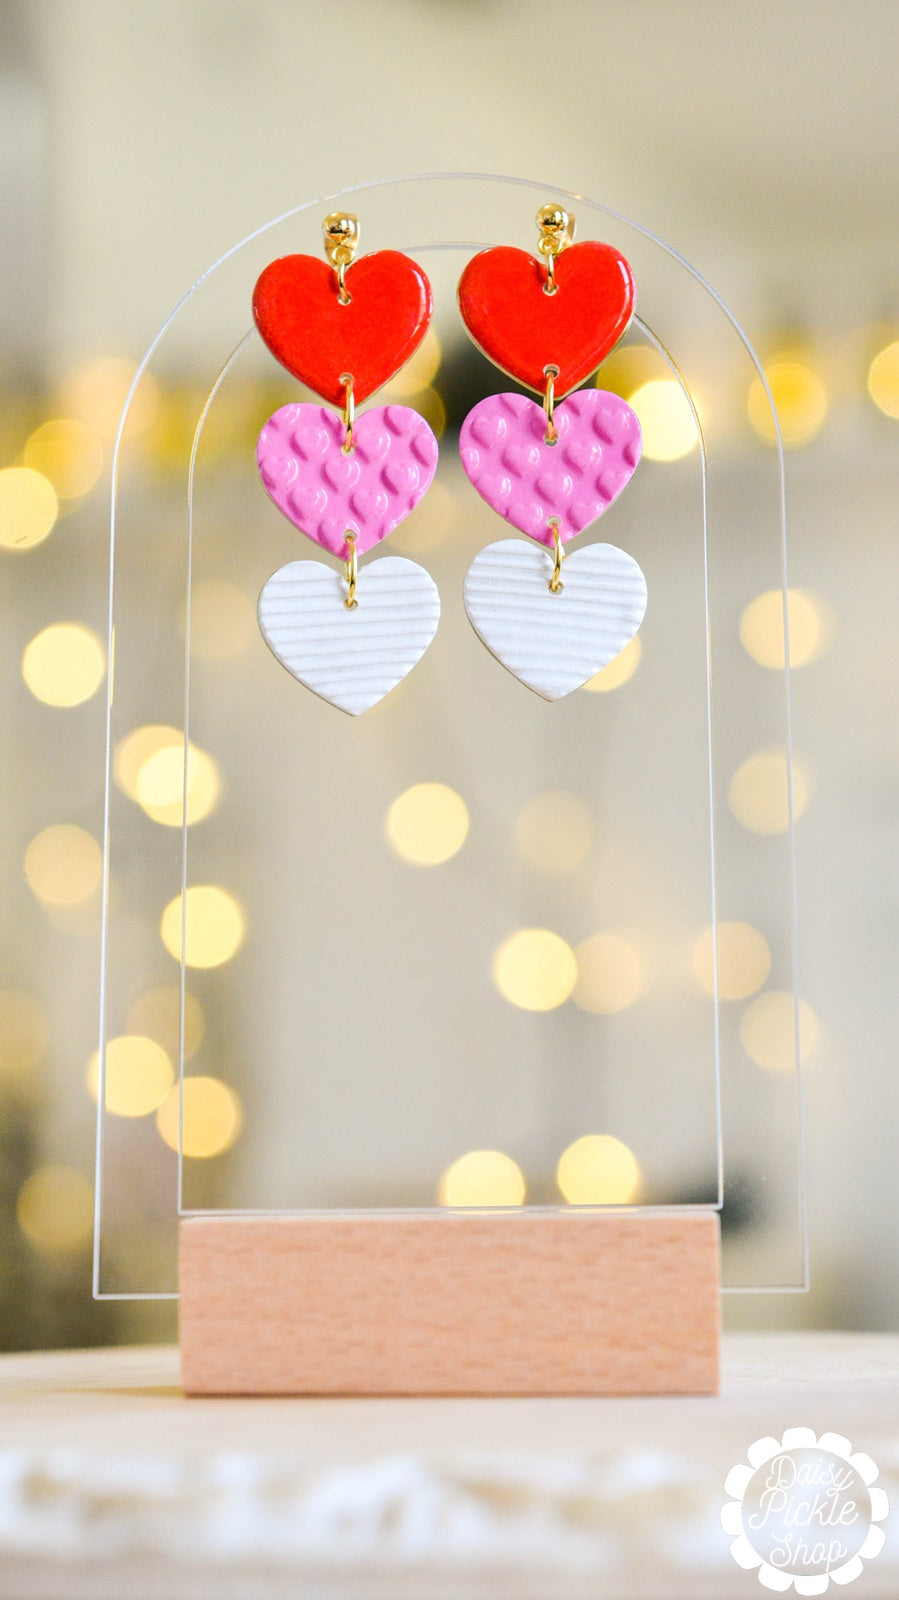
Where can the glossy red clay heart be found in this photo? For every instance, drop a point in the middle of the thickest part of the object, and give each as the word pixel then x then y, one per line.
pixel 316 338
pixel 522 329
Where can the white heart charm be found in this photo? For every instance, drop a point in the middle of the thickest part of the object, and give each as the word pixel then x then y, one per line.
pixel 554 642
pixel 349 658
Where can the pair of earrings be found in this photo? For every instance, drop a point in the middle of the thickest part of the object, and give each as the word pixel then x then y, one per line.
pixel 344 327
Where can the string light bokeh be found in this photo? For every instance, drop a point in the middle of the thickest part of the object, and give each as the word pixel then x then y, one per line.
pixel 543 964
pixel 427 824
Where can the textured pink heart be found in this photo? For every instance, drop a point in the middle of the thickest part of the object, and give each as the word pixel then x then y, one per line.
pixel 528 481
pixel 327 492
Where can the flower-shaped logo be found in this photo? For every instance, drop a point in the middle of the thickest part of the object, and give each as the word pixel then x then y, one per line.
pixel 803 1511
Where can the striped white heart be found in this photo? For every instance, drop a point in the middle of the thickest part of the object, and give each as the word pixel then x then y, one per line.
pixel 350 658
pixel 554 642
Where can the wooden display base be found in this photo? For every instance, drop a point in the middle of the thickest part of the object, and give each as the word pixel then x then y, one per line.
pixel 532 1303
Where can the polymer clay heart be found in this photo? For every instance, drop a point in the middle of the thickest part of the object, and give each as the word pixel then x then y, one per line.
pixel 350 658
pixel 527 481
pixel 523 330
pixel 327 492
pixel 315 337
pixel 554 642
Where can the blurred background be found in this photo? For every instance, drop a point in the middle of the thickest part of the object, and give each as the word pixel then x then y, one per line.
pixel 142 142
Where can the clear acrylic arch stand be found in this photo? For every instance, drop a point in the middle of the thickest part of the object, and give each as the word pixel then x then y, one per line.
pixel 357 1024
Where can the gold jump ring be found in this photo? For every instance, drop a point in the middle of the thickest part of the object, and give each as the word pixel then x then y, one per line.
pixel 549 400
pixel 349 412
pixel 350 572
pixel 548 252
pixel 555 583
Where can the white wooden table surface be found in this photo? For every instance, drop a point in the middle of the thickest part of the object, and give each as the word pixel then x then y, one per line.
pixel 112 1484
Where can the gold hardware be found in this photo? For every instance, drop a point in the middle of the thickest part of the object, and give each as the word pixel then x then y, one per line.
pixel 341 236
pixel 555 583
pixel 349 412
pixel 549 400
pixel 556 227
pixel 350 572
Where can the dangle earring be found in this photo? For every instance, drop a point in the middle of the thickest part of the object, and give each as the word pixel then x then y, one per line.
pixel 551 469
pixel 344 328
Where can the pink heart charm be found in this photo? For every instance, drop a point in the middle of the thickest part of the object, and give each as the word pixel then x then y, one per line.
pixel 327 492
pixel 506 456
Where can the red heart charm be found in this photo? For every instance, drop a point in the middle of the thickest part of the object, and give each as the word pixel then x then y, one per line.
pixel 522 329
pixel 316 338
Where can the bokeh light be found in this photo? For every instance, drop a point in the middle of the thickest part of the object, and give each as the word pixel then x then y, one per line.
pixel 799 396
pixel 149 766
pixel 226 427
pixel 212 1117
pixel 64 665
pixel 159 788
pixel 215 926
pixel 96 393
pixel 157 1012
pixel 883 380
pixel 535 969
pixel 629 367
pixel 68 453
pixel 28 507
pixel 419 371
pixel 762 628
pixel 137 746
pixel 611 974
pixel 598 1170
pixel 554 830
pixel 767 1030
pixel 666 419
pixel 427 824
pixel 620 670
pixel 55 1210
pixel 758 794
pixel 139 1075
pixel 23 1034
pixel 63 865
pixel 482 1178
pixel 222 620
pixel 744 960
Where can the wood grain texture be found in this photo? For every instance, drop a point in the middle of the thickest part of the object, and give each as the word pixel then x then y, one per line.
pixel 535 1303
